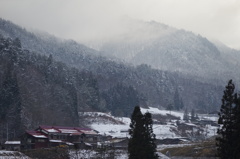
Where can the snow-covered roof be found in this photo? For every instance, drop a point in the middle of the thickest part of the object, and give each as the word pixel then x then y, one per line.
pixel 40 136
pixel 69 143
pixel 89 132
pixel 12 142
pixel 59 141
pixel 190 124
pixel 67 130
pixel 88 144
pixel 117 140
pixel 51 130
pixel 36 134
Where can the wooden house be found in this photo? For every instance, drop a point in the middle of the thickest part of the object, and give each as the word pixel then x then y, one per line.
pixel 52 136
pixel 12 145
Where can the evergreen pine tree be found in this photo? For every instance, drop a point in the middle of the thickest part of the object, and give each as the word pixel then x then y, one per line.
pixel 176 100
pixel 135 145
pixel 181 104
pixel 236 153
pixel 193 117
pixel 142 139
pixel 10 105
pixel 150 137
pixel 185 115
pixel 226 144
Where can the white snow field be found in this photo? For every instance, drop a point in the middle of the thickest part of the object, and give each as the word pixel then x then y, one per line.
pixel 161 131
pixel 12 155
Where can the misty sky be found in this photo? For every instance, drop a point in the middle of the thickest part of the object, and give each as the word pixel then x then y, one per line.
pixel 89 19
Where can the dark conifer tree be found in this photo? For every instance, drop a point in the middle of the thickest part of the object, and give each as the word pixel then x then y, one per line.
pixel 150 137
pixel 227 119
pixel 10 104
pixel 135 145
pixel 193 117
pixel 185 115
pixel 17 43
pixel 181 104
pixel 176 100
pixel 142 139
pixel 236 127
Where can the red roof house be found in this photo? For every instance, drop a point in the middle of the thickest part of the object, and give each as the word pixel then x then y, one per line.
pixel 50 136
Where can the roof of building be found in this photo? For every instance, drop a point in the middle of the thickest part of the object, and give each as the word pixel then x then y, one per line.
pixel 36 134
pixel 67 130
pixel 12 143
pixel 58 141
pixel 87 131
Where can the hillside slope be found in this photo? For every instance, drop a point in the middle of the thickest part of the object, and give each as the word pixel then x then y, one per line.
pixel 122 86
pixel 170 49
pixel 37 90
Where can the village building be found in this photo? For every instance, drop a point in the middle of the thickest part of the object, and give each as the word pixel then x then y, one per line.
pixel 12 145
pixel 115 143
pixel 51 136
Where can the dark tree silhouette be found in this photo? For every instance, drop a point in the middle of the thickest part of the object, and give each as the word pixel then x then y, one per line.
pixel 150 137
pixel 142 141
pixel 229 120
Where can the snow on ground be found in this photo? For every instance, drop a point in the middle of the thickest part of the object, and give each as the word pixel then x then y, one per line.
pixel 94 114
pixel 178 113
pixel 162 156
pixel 211 130
pixel 161 131
pixel 12 155
pixel 118 154
pixel 111 129
pixel 162 146
pixel 208 117
pixel 124 120
pixel 162 112
pixel 164 131
pixel 86 154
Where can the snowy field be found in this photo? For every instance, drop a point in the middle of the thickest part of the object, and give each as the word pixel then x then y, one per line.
pixel 118 154
pixel 86 154
pixel 162 112
pixel 12 155
pixel 161 131
pixel 111 129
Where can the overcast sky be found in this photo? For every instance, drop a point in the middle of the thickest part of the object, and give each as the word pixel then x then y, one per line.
pixel 86 19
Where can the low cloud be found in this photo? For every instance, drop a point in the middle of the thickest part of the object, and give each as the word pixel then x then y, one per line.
pixel 85 20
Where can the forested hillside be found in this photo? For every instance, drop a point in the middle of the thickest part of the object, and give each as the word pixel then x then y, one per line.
pixel 40 90
pixel 154 87
pixel 170 49
pixel 35 90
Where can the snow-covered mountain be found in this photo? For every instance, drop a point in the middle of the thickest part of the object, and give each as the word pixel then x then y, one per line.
pixel 167 48
pixel 134 84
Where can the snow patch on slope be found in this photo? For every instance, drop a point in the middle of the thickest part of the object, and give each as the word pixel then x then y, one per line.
pixel 162 112
pixel 106 124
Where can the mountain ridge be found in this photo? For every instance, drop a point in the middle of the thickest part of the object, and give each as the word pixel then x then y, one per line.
pixel 173 50
pixel 154 87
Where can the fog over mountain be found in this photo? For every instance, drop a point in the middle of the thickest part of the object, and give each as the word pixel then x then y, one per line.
pixel 159 66
pixel 167 48
pixel 116 79
pixel 84 20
